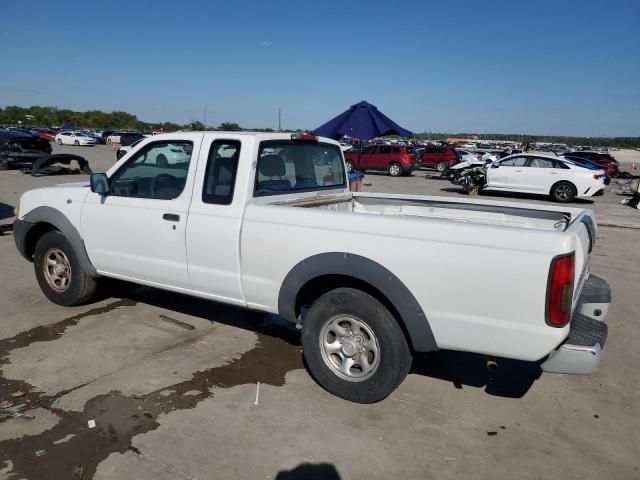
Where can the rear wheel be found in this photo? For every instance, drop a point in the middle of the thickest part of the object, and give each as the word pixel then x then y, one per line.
pixel 441 166
pixel 59 272
pixel 353 346
pixel 394 169
pixel 563 192
pixel 76 143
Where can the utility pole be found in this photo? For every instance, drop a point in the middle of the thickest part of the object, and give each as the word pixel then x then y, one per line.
pixel 279 120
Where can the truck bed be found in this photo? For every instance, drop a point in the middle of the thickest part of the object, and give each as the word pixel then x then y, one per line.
pixel 484 212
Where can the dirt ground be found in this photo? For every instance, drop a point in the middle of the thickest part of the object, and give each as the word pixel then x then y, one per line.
pixel 181 388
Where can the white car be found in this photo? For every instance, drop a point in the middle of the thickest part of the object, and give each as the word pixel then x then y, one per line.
pixel 236 222
pixel 489 157
pixel 544 174
pixel 122 151
pixel 466 156
pixel 74 138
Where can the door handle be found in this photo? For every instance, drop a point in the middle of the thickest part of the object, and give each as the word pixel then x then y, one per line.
pixel 519 171
pixel 171 217
pixel 553 173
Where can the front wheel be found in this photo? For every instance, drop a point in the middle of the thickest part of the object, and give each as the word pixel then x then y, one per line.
pixel 59 272
pixel 563 192
pixel 353 346
pixel 76 143
pixel 59 142
pixel 394 169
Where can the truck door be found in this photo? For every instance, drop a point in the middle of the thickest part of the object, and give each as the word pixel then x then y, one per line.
pixel 215 216
pixel 137 231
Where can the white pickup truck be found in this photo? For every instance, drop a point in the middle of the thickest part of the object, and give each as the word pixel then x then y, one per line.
pixel 267 222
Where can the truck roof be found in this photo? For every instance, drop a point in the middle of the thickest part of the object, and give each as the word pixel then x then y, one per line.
pixel 257 135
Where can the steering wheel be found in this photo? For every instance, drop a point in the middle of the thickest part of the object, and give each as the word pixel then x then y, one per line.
pixel 164 180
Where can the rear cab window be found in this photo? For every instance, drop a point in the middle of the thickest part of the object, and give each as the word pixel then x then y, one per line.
pixel 290 166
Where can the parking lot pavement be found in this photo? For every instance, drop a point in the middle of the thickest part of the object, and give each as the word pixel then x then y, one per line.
pixel 172 384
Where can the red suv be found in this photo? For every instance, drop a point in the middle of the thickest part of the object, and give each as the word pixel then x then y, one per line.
pixel 397 160
pixel 440 158
pixel 606 161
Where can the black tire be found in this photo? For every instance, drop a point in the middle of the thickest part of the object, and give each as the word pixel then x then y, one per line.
pixel 59 142
pixel 563 192
pixel 394 358
pixel 349 166
pixel 394 169
pixel 81 286
pixel 109 141
pixel 76 143
pixel 120 154
pixel 441 166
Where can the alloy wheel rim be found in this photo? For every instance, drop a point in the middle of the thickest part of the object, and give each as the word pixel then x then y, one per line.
pixel 564 192
pixel 57 270
pixel 349 348
pixel 395 170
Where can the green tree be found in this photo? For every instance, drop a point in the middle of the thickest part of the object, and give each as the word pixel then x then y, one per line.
pixel 229 127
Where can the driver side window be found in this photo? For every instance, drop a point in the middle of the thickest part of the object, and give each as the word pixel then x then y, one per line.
pixel 157 171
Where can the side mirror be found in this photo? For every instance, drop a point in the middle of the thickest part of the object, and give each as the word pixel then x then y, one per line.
pixel 100 183
pixel 495 164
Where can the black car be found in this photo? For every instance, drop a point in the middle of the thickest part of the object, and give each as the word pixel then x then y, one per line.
pixel 21 150
pixel 105 134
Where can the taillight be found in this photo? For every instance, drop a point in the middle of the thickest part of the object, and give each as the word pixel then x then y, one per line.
pixel 306 137
pixel 560 290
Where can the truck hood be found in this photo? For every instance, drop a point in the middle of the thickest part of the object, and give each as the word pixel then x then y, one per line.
pixel 62 197
pixel 67 185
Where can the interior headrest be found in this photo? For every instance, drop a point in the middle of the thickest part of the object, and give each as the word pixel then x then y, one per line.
pixel 272 166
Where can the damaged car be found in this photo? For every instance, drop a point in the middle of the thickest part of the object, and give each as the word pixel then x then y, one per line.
pixel 33 155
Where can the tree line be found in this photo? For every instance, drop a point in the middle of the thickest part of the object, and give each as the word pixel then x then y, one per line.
pixel 36 116
pixel 96 119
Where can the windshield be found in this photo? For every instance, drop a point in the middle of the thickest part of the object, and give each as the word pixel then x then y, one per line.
pixel 286 166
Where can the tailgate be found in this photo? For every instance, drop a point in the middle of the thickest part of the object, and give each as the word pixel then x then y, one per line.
pixel 584 228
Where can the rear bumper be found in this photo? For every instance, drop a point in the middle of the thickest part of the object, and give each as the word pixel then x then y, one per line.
pixel 580 353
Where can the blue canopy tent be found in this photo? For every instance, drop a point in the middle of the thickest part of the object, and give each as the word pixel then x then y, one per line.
pixel 363 121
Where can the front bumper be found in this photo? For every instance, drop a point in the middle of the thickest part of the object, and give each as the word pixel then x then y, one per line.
pixel 580 353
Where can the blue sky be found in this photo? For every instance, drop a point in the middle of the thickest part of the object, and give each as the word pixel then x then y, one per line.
pixel 542 67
